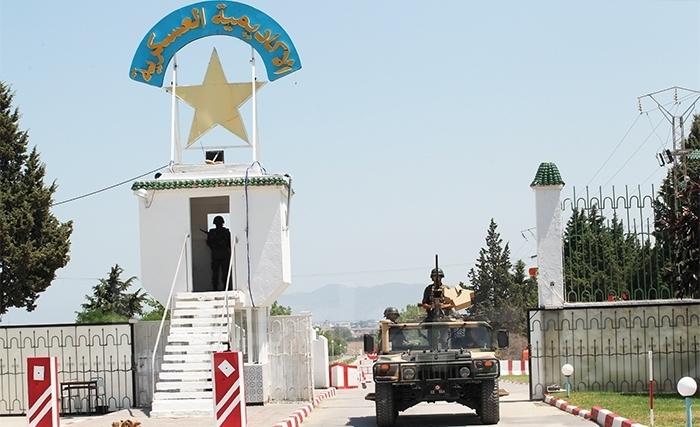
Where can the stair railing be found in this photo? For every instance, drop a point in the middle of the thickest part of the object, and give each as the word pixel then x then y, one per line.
pixel 165 313
pixel 231 272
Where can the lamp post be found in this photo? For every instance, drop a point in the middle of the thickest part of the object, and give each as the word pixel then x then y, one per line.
pixel 687 387
pixel 567 370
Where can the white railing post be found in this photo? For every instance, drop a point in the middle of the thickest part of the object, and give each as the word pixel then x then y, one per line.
pixel 231 272
pixel 162 320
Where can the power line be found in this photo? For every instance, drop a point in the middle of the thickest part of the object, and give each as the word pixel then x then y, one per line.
pixel 634 153
pixel 651 175
pixel 614 149
pixel 92 193
pixel 388 270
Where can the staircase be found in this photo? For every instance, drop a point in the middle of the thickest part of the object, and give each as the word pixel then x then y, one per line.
pixel 197 329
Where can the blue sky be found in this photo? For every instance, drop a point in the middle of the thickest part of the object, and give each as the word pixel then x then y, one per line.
pixel 409 126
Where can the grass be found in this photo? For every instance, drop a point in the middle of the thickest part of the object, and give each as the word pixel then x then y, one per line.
pixel 520 379
pixel 669 410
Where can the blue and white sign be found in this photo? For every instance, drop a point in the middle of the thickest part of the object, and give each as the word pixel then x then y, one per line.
pixel 214 18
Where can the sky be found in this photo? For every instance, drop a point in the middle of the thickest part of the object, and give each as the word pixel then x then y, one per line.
pixel 409 126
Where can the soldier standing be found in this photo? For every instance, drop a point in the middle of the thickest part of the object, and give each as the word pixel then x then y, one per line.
pixel 434 302
pixel 219 241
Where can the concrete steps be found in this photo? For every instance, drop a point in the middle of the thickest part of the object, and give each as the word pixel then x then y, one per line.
pixel 185 396
pixel 198 328
pixel 183 385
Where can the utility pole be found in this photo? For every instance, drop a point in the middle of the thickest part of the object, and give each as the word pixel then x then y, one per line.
pixel 679 152
pixel 677 122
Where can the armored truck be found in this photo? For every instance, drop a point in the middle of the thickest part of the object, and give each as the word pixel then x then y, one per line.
pixel 449 360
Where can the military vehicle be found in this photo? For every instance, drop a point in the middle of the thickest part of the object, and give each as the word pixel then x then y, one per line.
pixel 448 360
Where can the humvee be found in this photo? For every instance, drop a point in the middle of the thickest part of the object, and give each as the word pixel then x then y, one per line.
pixel 450 360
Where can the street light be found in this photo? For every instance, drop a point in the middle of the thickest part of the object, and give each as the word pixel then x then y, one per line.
pixel 687 387
pixel 567 370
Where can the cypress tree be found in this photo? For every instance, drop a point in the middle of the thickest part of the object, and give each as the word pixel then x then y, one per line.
pixel 33 243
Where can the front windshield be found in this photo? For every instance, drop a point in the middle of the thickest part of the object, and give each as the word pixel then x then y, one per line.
pixel 444 337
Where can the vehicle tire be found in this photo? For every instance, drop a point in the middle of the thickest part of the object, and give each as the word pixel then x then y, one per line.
pixel 385 405
pixel 488 411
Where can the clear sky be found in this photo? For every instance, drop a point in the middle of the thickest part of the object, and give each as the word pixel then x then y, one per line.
pixel 410 125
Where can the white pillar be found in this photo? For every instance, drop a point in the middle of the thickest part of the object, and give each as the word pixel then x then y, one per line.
pixel 320 362
pixel 550 273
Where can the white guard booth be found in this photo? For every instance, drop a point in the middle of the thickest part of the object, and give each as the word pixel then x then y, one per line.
pixel 175 211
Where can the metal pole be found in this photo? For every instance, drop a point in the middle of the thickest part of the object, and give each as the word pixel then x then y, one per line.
pixel 688 413
pixel 174 123
pixel 256 152
pixel 651 388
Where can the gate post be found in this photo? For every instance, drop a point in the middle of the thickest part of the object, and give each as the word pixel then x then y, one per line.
pixel 42 391
pixel 229 390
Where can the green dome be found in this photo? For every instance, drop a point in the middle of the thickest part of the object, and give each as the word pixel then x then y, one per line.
pixel 547 174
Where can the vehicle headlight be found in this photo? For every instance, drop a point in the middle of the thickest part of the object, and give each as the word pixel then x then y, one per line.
pixel 408 373
pixel 464 372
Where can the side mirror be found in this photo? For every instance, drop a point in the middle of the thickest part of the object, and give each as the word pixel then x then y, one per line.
pixel 502 338
pixel 368 343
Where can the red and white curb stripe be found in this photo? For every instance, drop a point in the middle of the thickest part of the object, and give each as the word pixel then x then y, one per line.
pixel 302 413
pixel 514 367
pixel 607 418
pixel 564 406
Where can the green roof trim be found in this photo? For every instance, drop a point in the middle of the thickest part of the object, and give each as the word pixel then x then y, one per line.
pixel 547 174
pixel 694 155
pixel 176 184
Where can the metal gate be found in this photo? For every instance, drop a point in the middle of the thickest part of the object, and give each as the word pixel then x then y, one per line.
pixel 290 358
pixel 100 353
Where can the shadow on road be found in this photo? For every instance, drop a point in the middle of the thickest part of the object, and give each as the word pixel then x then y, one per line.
pixel 423 420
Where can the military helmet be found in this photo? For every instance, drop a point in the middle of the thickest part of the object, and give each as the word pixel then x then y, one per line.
pixel 218 220
pixel 437 272
pixel 391 310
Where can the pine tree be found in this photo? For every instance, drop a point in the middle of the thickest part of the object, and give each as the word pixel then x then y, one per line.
pixel 111 301
pixel 492 282
pixel 280 310
pixel 412 313
pixel 33 243
pixel 677 221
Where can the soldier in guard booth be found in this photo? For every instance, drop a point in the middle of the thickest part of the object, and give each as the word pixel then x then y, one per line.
pixel 219 242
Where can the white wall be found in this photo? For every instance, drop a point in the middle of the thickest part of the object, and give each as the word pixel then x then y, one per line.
pixel 163 227
pixel 268 257
pixel 549 246
pixel 320 362
pixel 166 220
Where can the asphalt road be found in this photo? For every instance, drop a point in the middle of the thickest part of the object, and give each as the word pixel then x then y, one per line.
pixel 349 408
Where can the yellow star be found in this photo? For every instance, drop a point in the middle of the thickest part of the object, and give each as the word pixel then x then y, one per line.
pixel 216 102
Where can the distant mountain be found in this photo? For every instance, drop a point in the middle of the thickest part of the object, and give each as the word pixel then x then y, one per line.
pixel 341 302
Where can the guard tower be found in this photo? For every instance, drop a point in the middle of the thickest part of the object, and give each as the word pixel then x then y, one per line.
pixel 178 206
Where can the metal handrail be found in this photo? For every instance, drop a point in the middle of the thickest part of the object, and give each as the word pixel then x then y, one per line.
pixel 165 313
pixel 231 272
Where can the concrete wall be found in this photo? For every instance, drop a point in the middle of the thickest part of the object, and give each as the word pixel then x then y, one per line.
pixel 291 375
pixel 607 343
pixel 145 334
